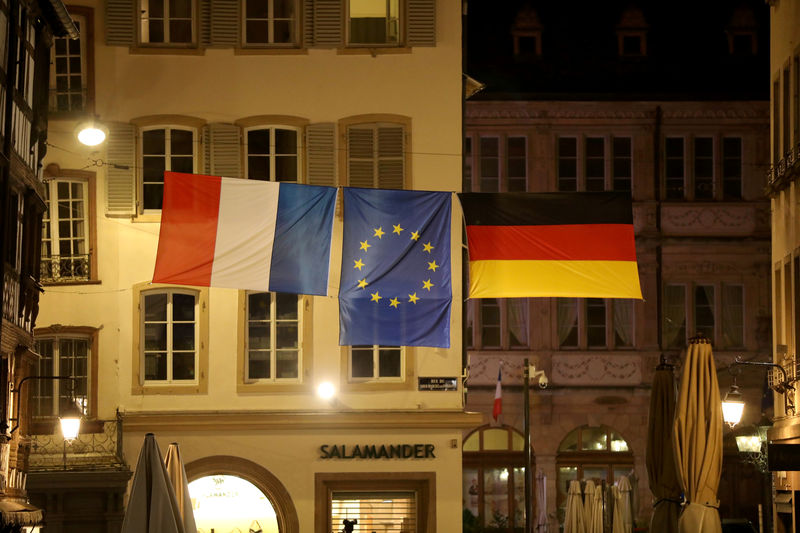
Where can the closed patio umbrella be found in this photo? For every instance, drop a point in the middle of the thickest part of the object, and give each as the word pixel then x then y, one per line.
pixel 660 458
pixel 697 438
pixel 541 503
pixel 177 475
pixel 588 502
pixel 152 507
pixel 596 525
pixel 623 518
pixel 573 522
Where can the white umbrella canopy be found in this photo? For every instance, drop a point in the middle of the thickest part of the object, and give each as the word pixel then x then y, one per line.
pixel 697 437
pixel 152 507
pixel 541 503
pixel 588 502
pixel 623 518
pixel 177 475
pixel 596 525
pixel 573 522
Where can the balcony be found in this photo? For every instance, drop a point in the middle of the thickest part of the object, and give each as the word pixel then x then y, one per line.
pixel 785 171
pixel 90 451
pixel 65 269
pixel 20 299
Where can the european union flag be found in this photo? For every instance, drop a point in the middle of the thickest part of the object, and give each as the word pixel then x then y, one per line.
pixel 395 285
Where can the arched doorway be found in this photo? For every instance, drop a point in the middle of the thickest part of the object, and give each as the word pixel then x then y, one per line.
pixel 493 482
pixel 229 503
pixel 220 475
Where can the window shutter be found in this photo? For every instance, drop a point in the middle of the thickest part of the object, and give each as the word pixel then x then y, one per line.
pixel 324 23
pixel 120 22
pixel 421 15
pixel 223 150
pixel 221 29
pixel 321 154
pixel 360 157
pixel 205 24
pixel 390 157
pixel 121 162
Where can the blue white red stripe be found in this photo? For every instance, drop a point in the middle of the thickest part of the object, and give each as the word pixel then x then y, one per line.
pixel 497 409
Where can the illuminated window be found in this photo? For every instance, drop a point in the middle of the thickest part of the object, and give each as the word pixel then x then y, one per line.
pixel 227 503
pixel 373 22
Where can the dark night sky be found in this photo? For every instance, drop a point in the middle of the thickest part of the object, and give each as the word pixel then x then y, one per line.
pixel 687 52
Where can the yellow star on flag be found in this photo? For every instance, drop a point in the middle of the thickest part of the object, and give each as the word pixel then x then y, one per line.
pixel 362 283
pixel 379 232
pixel 413 298
pixel 427 247
pixel 433 266
pixel 397 229
pixel 365 245
pixel 375 296
pixel 427 284
pixel 414 235
pixel 394 302
pixel 358 264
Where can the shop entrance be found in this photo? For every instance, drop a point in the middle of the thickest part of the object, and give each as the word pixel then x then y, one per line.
pixel 225 504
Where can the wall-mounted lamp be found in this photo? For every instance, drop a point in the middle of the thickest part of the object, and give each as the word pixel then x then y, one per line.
pixel 733 406
pixel 327 391
pixel 70 416
pixel 751 443
pixel 91 132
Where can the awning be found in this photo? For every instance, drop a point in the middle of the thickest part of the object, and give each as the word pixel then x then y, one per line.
pixel 19 513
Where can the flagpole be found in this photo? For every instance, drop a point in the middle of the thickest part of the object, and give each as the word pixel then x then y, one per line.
pixel 527 449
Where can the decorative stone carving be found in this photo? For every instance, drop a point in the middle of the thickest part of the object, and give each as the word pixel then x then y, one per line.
pixel 483 368
pixel 716 220
pixel 596 369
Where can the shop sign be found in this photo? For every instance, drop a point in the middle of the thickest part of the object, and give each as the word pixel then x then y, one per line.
pixel 377 451
pixel 431 384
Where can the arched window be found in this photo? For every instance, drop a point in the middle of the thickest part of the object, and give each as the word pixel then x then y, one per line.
pixel 588 452
pixel 493 479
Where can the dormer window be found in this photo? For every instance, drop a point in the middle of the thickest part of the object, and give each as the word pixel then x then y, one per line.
pixel 742 32
pixel 632 33
pixel 527 34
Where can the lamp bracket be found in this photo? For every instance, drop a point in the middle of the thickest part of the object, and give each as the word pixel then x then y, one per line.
pixel 781 386
pixel 18 389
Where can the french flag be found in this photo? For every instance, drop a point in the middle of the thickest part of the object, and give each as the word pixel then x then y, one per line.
pixel 245 234
pixel 497 409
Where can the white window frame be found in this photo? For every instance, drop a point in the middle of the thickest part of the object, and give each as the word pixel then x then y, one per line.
pixel 271 27
pixel 272 157
pixel 272 350
pixel 583 325
pixel 168 128
pixel 387 44
pixel 144 30
pixel 169 346
pixel 52 220
pixel 58 385
pixel 81 21
pixel 376 366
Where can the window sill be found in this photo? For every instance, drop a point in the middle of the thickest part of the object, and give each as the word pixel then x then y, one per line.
pixel 70 283
pixel 408 384
pixel 265 387
pixel 171 389
pixel 166 49
pixel 373 50
pixel 269 51
pixel 147 217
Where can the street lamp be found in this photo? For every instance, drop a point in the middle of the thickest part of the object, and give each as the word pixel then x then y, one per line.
pixel 733 406
pixel 70 417
pixel 91 132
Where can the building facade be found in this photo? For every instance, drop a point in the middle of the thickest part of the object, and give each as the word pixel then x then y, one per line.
pixel 612 101
pixel 785 264
pixel 26 34
pixel 331 92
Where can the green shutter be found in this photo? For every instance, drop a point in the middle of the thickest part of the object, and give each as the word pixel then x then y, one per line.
pixel 223 156
pixel 321 154
pixel 120 169
pixel 120 22
pixel 421 19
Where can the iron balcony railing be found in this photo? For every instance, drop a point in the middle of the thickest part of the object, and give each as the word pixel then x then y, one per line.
pixel 65 268
pixel 90 451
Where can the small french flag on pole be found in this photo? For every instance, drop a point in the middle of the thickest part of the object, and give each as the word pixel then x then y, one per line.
pixel 497 409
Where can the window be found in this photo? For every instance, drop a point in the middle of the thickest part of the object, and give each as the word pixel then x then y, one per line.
pixel 376 363
pixel 170 340
pixel 502 163
pixel 272 153
pixel 527 34
pixel 373 22
pixel 632 33
pixel 380 501
pixel 498 323
pixel 594 163
pixel 703 168
pixel 706 167
pixel 167 22
pixel 732 167
pixel 65 232
pixel 69 68
pixel 493 478
pixel 273 337
pixel 594 323
pixel 674 174
pixel 67 354
pixel 714 310
pixel 164 148
pixel 270 23
pixel 376 155
pixel 591 452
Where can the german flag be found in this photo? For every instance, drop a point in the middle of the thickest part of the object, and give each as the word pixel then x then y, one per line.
pixel 551 244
